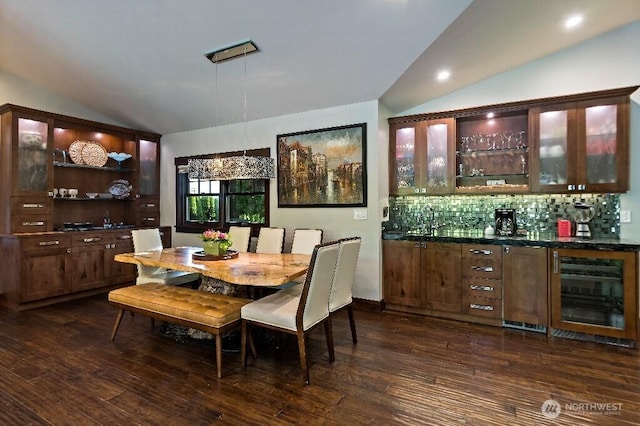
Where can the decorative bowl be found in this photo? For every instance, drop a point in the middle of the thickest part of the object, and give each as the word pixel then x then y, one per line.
pixel 119 156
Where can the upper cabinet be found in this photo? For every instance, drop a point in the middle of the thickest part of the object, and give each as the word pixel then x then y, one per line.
pixel 582 146
pixel 492 152
pixel 423 157
pixel 58 169
pixel 576 143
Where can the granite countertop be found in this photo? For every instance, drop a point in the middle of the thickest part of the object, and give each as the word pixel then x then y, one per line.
pixel 531 239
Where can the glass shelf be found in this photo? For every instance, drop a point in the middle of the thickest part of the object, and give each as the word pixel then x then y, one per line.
pixel 86 166
pixel 493 151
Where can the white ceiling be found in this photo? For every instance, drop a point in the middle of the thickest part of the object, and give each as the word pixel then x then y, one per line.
pixel 142 62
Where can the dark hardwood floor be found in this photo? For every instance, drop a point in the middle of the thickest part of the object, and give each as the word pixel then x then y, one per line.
pixel 58 366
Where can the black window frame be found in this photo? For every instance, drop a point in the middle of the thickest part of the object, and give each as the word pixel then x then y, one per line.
pixel 182 191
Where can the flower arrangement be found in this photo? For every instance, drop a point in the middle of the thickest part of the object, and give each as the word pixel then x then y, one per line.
pixel 215 242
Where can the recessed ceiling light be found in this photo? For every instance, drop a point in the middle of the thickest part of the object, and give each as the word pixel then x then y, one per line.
pixel 573 21
pixel 444 75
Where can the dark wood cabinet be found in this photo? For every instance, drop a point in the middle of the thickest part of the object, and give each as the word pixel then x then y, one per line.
pixel 401 272
pixel 441 287
pixel 40 155
pixel 582 146
pixel 524 279
pixel 45 268
pixel 574 143
pixel 423 157
pixel 482 280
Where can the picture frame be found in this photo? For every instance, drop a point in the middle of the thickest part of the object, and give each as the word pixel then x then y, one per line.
pixel 323 167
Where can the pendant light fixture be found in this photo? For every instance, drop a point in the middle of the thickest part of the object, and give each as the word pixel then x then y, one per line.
pixel 235 167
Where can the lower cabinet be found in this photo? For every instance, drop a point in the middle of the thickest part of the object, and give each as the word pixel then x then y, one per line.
pixel 401 272
pixel 524 279
pixel 482 280
pixel 441 289
pixel 46 268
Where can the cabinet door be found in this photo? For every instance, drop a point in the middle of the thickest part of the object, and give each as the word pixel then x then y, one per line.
pixel 149 168
pixel 118 272
pixel 403 156
pixel 45 273
pixel 32 154
pixel 87 254
pixel 524 279
pixel 401 272
pixel 603 163
pixel 441 277
pixel 439 169
pixel 554 132
pixel 594 292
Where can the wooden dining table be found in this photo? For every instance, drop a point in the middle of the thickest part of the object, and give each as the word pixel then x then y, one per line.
pixel 252 269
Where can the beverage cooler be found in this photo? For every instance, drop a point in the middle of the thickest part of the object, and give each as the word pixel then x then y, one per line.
pixel 594 292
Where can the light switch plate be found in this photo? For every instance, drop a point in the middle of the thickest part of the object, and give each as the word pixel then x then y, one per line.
pixel 625 216
pixel 359 214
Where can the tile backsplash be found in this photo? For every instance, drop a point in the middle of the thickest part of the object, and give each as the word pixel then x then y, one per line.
pixel 533 212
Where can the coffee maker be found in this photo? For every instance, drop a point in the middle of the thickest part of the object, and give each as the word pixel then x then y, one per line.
pixel 505 222
pixel 583 215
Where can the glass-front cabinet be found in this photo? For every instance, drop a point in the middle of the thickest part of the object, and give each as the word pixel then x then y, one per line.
pixel 582 146
pixel 33 173
pixel 594 292
pixel 422 157
pixel 492 152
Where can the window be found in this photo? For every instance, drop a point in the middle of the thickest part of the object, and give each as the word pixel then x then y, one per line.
pixel 204 204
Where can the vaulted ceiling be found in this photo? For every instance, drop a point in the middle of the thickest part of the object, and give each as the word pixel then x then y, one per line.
pixel 142 62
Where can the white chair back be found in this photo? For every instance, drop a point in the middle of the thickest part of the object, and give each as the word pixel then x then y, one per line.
pixel 240 237
pixel 304 240
pixel 270 240
pixel 314 306
pixel 147 240
pixel 345 273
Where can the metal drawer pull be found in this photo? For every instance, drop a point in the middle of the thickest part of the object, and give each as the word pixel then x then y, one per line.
pixel 125 237
pixel 49 243
pixel 482 268
pixel 150 219
pixel 32 223
pixel 480 287
pixel 91 240
pixel 150 205
pixel 476 251
pixel 32 206
pixel 481 307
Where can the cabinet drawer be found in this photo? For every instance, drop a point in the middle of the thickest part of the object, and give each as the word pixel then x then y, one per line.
pixel 482 287
pixel 482 251
pixel 148 206
pixel 89 239
pixel 31 223
pixel 481 268
pixel 30 206
pixel 482 307
pixel 45 242
pixel 149 219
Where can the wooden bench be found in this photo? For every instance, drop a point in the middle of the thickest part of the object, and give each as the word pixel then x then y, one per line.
pixel 209 312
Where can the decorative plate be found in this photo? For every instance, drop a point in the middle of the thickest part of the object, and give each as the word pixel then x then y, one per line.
pixel 94 154
pixel 75 151
pixel 120 189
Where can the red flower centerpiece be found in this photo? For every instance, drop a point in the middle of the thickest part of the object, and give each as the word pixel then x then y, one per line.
pixel 215 243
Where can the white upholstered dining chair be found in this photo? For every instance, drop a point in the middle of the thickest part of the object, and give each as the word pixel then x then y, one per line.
pixel 341 289
pixel 240 238
pixel 297 312
pixel 304 241
pixel 270 240
pixel 149 240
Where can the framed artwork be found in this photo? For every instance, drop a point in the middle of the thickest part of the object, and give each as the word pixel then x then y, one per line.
pixel 323 168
